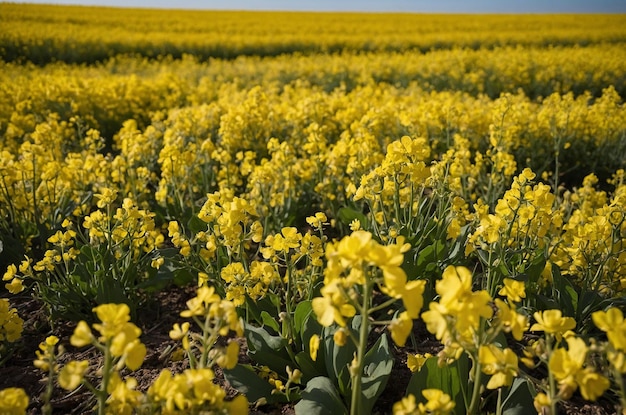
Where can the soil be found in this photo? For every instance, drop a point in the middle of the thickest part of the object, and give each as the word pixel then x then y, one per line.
pixel 155 322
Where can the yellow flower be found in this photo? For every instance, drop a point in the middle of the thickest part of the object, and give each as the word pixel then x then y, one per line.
pixel 541 403
pixel 456 282
pixel 288 238
pixel 552 322
pixel 412 297
pixel 82 335
pixel 294 375
pixel 11 324
pixel 15 286
pixel 113 317
pixel 513 322
pixel 126 334
pixel 123 398
pixel 327 311
pixel 238 406
pixel 618 360
pixel 608 320
pixel 592 385
pixel 10 273
pixel 564 363
pixel 394 281
pixel 513 290
pixel 355 225
pixel 469 311
pixel 196 306
pixel 314 345
pixel 500 364
pixel 72 374
pixel 134 353
pixel 436 321
pixel 203 279
pixel 437 402
pixel 179 332
pixel 157 262
pixel 415 361
pixel 340 337
pixel 401 328
pixel 13 401
pixel 406 406
pixel 45 354
pixel 229 357
pixel 613 323
pixel 353 249
pixel 317 220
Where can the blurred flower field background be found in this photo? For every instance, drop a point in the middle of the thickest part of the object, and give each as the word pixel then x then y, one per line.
pixel 311 213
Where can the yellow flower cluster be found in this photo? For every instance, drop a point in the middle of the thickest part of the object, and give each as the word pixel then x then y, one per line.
pixel 593 246
pixel 229 34
pixel 351 264
pixel 464 321
pixel 437 403
pixel 13 401
pixel 190 391
pixel 11 324
pixel 612 322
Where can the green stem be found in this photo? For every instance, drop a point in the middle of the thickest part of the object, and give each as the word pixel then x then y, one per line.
pixel 47 408
pixel 551 380
pixel 619 378
pixel 474 403
pixel 106 373
pixel 357 373
pixel 499 404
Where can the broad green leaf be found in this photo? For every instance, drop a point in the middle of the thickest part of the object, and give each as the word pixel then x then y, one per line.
pixel 347 215
pixel 269 321
pixel 313 327
pixel 245 380
pixel 307 366
pixel 267 350
pixel 519 399
pixel 338 358
pixel 195 224
pixel 302 313
pixel 451 379
pixel 320 398
pixel 378 363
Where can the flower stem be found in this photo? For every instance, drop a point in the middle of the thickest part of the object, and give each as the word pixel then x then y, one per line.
pixel 357 373
pixel 473 408
pixel 106 372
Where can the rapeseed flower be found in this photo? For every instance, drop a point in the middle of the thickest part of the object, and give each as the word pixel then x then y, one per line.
pixel 500 364
pixel 552 322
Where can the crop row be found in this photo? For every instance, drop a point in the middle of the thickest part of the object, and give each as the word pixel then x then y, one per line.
pixel 44 34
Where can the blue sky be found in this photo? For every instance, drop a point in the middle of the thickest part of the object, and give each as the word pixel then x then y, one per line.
pixel 445 6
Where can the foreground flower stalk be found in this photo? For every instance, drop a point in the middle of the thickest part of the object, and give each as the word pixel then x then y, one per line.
pixel 356 266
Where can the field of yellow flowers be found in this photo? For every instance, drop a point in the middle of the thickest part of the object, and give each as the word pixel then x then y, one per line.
pixel 311 213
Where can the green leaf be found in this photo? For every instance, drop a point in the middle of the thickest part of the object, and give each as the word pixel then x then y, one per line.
pixel 447 378
pixel 312 327
pixel 301 315
pixel 337 358
pixel 519 399
pixel 347 215
pixel 267 350
pixel 245 380
pixel 269 321
pixel 307 366
pixel 196 225
pixel 320 398
pixel 567 297
pixel 378 363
